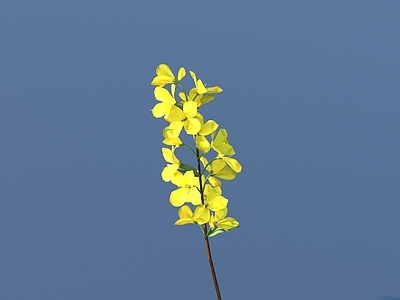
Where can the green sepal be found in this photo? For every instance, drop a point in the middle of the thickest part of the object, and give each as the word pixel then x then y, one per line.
pixel 179 105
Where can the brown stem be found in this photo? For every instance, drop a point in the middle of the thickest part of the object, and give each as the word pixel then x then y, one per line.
pixel 210 262
pixel 205 229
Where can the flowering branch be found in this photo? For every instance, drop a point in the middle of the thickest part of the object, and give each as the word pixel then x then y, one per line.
pixel 198 188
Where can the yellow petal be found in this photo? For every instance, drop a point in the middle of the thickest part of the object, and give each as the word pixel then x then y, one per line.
pixel 184 221
pixel 173 141
pixel 221 214
pixel 226 173
pixel 185 212
pixel 228 223
pixel 178 197
pixel 201 215
pixel 164 69
pixel 167 154
pixel 193 75
pixel 205 99
pixel 201 89
pixel 189 177
pixel 175 114
pixel 169 171
pixel 160 109
pixel 204 161
pixel 214 181
pixel 181 73
pixel 214 192
pixel 162 94
pixel 202 144
pixel 222 137
pixel 217 165
pixel 190 109
pixel 214 89
pixel 173 130
pixel 179 180
pixel 192 126
pixel 225 149
pixel 234 164
pixel 217 203
pixel 209 127
pixel 161 80
pixel 194 196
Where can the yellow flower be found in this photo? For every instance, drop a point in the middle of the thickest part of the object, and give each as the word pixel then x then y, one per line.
pixel 187 191
pixel 222 167
pixel 220 221
pixel 206 128
pixel 221 144
pixel 186 116
pixel 167 101
pixel 171 170
pixel 171 134
pixel 214 200
pixel 201 88
pixel 200 216
pixel 165 75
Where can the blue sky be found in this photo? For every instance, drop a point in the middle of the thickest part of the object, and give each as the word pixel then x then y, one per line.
pixel 311 103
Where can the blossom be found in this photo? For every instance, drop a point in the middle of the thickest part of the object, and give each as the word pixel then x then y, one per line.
pixel 199 198
pixel 220 221
pixel 171 134
pixel 222 167
pixel 221 144
pixel 194 96
pixel 171 170
pixel 165 75
pixel 214 200
pixel 225 167
pixel 187 191
pixel 167 101
pixel 206 129
pixel 186 116
pixel 200 216
pixel 201 88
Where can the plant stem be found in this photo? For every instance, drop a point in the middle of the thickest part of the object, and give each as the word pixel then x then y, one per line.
pixel 205 229
pixel 210 262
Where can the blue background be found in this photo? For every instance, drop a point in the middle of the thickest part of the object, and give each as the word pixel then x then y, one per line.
pixel 311 103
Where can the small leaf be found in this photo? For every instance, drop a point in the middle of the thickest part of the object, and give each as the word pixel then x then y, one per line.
pixel 185 167
pixel 214 231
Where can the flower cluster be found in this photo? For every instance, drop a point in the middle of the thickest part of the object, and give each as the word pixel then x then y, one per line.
pixel 198 192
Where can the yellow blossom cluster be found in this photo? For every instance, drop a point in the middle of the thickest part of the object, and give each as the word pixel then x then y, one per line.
pixel 197 187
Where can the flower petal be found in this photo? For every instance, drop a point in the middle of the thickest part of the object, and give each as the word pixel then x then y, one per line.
pixel 192 126
pixel 162 94
pixel 190 109
pixel 201 89
pixel 201 215
pixel 181 73
pixel 228 223
pixel 164 69
pixel 178 197
pixel 202 144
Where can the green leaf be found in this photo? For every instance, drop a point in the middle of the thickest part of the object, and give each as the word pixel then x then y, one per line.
pixel 214 231
pixel 185 167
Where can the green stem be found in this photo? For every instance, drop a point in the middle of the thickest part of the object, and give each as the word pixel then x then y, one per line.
pixel 205 229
